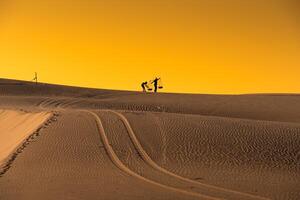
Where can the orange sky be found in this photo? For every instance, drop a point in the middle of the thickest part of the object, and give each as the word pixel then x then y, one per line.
pixel 208 46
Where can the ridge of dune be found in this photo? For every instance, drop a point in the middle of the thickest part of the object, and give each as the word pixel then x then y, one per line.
pixel 268 107
pixel 15 126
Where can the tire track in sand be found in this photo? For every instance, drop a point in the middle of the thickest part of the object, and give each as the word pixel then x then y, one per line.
pixel 114 158
pixel 150 162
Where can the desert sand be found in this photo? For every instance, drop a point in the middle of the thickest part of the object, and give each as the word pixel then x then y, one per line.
pixel 61 142
pixel 15 127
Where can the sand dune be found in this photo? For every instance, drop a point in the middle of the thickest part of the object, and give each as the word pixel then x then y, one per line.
pixel 15 126
pixel 231 153
pixel 103 144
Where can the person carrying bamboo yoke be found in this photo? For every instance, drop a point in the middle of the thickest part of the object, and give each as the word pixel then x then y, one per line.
pixel 148 85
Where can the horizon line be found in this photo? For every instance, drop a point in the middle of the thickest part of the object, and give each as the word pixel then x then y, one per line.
pixel 128 90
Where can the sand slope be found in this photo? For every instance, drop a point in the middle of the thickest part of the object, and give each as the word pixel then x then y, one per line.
pixel 15 126
pixel 259 157
pixel 102 144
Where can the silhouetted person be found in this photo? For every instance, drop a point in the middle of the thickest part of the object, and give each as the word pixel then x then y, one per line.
pixel 144 86
pixel 155 83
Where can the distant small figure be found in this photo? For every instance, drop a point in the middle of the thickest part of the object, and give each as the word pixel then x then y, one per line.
pixel 144 86
pixel 155 83
pixel 35 78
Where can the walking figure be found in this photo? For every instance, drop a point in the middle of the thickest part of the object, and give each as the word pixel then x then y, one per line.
pixel 144 86
pixel 155 83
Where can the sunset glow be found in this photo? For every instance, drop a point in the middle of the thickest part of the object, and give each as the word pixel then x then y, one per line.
pixel 233 46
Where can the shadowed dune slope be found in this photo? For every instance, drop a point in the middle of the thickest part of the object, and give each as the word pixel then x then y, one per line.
pixel 257 157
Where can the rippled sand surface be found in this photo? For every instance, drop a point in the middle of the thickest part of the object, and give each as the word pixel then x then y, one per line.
pixel 60 142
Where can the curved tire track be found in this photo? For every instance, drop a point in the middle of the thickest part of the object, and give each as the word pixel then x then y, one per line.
pixel 114 158
pixel 150 162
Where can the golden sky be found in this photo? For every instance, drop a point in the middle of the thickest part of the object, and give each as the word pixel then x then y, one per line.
pixel 196 46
